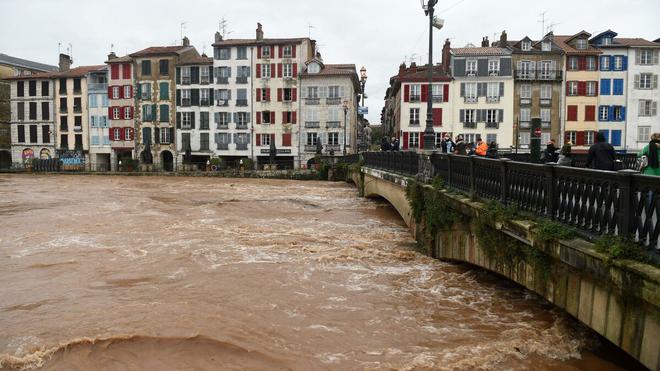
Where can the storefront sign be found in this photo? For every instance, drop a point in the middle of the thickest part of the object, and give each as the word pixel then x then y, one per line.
pixel 279 151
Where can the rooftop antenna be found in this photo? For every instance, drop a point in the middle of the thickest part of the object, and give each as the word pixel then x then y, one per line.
pixel 551 27
pixel 183 26
pixel 309 30
pixel 203 48
pixel 222 26
pixel 112 46
pixel 59 48
pixel 70 51
pixel 542 21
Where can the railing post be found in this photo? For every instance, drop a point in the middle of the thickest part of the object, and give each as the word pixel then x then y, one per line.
pixel 625 211
pixel 449 157
pixel 473 183
pixel 550 201
pixel 503 181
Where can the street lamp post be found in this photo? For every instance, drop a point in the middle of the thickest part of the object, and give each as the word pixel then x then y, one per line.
pixel 345 106
pixel 363 81
pixel 360 123
pixel 429 134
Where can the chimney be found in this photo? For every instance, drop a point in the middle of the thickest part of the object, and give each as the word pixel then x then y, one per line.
pixel 402 68
pixel 413 67
pixel 186 41
pixel 112 56
pixel 218 37
pixel 503 40
pixel 65 62
pixel 260 32
pixel 446 56
pixel 484 42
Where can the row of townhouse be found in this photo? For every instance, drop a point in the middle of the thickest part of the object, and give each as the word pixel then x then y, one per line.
pixel 163 104
pixel 577 85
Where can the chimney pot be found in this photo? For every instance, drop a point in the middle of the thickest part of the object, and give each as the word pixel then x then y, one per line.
pixel 186 41
pixel 218 37
pixel 484 42
pixel 112 56
pixel 503 40
pixel 260 32
pixel 65 62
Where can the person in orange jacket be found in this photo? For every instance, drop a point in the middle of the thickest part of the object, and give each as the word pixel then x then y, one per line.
pixel 482 148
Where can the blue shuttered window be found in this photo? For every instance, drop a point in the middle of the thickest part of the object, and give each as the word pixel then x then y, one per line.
pixel 618 87
pixel 606 134
pixel 610 114
pixel 616 138
pixel 605 86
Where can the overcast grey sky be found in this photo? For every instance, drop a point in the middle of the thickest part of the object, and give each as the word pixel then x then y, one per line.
pixel 378 34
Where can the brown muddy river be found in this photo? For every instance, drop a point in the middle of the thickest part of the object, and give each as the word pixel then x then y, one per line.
pixel 164 273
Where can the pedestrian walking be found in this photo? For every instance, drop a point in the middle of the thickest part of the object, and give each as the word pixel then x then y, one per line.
pixel 385 144
pixel 492 150
pixel 481 148
pixel 460 148
pixel 601 154
pixel 650 155
pixel 550 152
pixel 565 156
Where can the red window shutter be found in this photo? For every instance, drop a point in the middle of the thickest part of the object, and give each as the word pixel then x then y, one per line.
pixel 281 51
pixel 596 88
pixel 284 117
pixel 590 113
pixel 258 139
pixel 425 92
pixel 109 92
pixel 126 68
pixel 294 94
pixel 132 114
pixel 114 72
pixel 582 63
pixel 293 117
pixel 111 133
pixel 121 92
pixel 130 89
pixel 267 95
pixel 445 93
pixel 437 117
pixel 293 51
pixel 258 95
pixel 421 140
pixel 580 138
pixel 272 136
pixel 582 88
pixel 258 53
pixel 273 66
pixel 122 135
pixel 272 118
pixel 109 113
pixel 295 67
pixel 406 93
pixel 279 94
pixel 121 113
pixel 286 140
pixel 279 70
pixel 405 140
pixel 258 123
pixel 258 70
pixel 572 113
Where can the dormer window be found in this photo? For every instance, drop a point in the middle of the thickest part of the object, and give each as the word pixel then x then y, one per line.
pixel 606 41
pixel 581 44
pixel 526 46
pixel 313 68
pixel 546 46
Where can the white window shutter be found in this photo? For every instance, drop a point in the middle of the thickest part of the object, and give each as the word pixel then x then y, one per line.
pixel 655 56
pixel 305 92
pixel 637 81
pixel 341 92
pixel 638 56
pixel 654 108
pixel 655 82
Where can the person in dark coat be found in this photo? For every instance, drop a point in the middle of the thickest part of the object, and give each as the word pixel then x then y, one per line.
pixel 395 144
pixel 550 152
pixel 565 157
pixel 385 144
pixel 492 150
pixel 460 146
pixel 601 154
pixel 471 149
pixel 447 145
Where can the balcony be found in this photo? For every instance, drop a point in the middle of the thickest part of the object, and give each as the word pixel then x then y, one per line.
pixel 494 73
pixel 222 103
pixel 471 73
pixel 97 87
pixel 185 80
pixel 241 146
pixel 77 91
pixel 542 75
pixel 204 80
pixel 222 80
pixel 312 124
pixel 312 101
pixel 545 125
pixel 469 125
pixel 438 99
pixel 64 127
pixel 223 146
pixel 242 126
pixel 525 125
pixel 415 98
pixel 414 123
pixel 332 101
pixel 546 102
pixel 333 147
pixel 310 148
pixel 492 125
pixel 204 101
pixel 525 101
pixel 222 126
pixel 492 99
pixel 471 99
pixel 241 102
pixel 550 75
pixel 525 74
pixel 185 102
pixel 63 109
pixel 333 125
pixel 241 80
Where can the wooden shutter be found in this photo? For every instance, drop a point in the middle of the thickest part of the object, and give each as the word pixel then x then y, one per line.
pixel 406 93
pixel 590 113
pixel 267 95
pixel 131 112
pixel 293 51
pixel 572 113
pixel 110 114
pixel 258 121
pixel 258 95
pixel 273 66
pixel 425 92
pixel 279 94
pixel 420 136
pixel 110 92
pixel 501 89
pixel 462 89
pixel 437 117
pixel 258 53
pixel 286 140
pixel 258 67
pixel 284 117
pixel 178 120
pixel 156 135
pixel 114 72
pixel 126 71
pixel 294 94
pixel 294 115
pixel 582 88
pixel 279 70
pixel 582 63
pixel 579 138
pixel 122 116
pixel 122 134
pixel 405 140
pixel 192 120
pixel 272 117
pixel 280 52
pixel 461 114
pixel 445 93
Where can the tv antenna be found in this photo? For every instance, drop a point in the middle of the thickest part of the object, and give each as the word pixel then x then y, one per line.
pixel 183 26
pixel 542 21
pixel 222 27
pixel 309 30
pixel 112 46
pixel 551 27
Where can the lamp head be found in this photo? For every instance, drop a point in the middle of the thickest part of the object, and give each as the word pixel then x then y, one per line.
pixel 363 73
pixel 438 23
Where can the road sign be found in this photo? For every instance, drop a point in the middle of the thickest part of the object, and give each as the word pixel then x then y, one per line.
pixel 363 110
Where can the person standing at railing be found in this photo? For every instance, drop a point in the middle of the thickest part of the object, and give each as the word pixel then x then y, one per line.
pixel 550 152
pixel 601 154
pixel 385 144
pixel 395 144
pixel 447 145
pixel 565 156
pixel 460 148
pixel 492 150
pixel 481 149
pixel 651 166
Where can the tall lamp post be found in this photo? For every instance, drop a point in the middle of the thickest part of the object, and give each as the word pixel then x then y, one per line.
pixel 429 134
pixel 360 124
pixel 344 105
pixel 363 81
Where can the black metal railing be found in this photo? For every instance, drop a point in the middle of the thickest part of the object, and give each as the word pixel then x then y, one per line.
pixel 594 202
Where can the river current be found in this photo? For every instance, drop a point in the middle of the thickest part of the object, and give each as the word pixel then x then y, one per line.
pixel 172 273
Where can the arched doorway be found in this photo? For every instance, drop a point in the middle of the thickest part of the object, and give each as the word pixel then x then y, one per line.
pixel 5 159
pixel 167 160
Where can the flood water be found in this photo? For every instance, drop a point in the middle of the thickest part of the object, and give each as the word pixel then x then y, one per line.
pixel 169 273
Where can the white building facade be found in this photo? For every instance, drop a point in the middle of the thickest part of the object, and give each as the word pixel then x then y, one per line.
pixel 642 92
pixel 99 137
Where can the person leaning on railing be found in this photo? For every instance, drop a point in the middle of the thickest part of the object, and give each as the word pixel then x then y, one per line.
pixel 565 156
pixel 651 165
pixel 601 154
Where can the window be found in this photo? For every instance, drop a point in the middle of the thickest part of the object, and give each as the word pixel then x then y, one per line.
pixel 491 116
pixel 127 92
pixel 164 90
pixel 92 121
pixel 591 63
pixel 20 111
pixel 164 113
pixel 545 114
pixel 204 75
pixel 603 113
pixel 471 91
pixel 287 70
pixel 333 92
pixel 20 89
pixel 64 123
pixel 493 67
pixel 491 138
pixel 204 141
pixel 265 71
pixel 415 92
pixel 32 88
pixel 147 112
pixel 573 63
pixel 645 56
pixel 127 113
pixel 185 75
pixel 76 85
pixel 45 134
pixel 265 117
pixel 93 101
pixel 648 108
pixel 77 123
pixel 581 44
pixel 166 135
pixel 186 120
pixel 33 134
pixel 243 71
pixel 643 133
pixel 225 53
pixel 204 97
pixel 185 97
pixel 241 52
pixel 33 110
pixel 64 141
pixel 146 68
pixel 95 140
pixel 413 140
pixel 493 91
pixel 64 107
pixel 618 113
pixel 77 105
pixel 618 86
pixel 116 113
pixel 265 139
pixel 313 68
pixel 62 86
pixel 311 139
pixel 546 91
pixel 222 97
pixel 222 119
pixel 615 139
pixel 222 140
pixel 312 92
pixel 115 92
pixel 525 114
pixel 437 93
pixel 333 139
pixel 546 46
pixel 470 138
pixel 470 116
pixel 589 113
pixel 618 63
pixel 45 111
pixel 287 51
pixel 21 133
pixel 591 88
pixel 526 46
pixel 242 119
pixel 128 134
pixel 164 67
pixel 265 51
pixel 145 91
pixel 203 121
pixel 414 116
pixel 588 138
pixel 471 67
pixel 286 94
pixel 646 81
pixel 573 88
pixel 605 63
